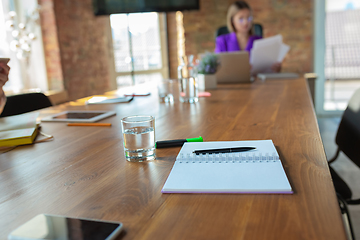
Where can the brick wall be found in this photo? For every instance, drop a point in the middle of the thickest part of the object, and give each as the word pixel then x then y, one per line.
pixel 84 48
pixel 291 18
pixel 51 45
pixel 81 53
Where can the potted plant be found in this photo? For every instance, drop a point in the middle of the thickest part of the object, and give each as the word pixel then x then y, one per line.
pixel 206 68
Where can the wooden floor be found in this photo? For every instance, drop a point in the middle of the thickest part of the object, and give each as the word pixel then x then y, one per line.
pixel 347 170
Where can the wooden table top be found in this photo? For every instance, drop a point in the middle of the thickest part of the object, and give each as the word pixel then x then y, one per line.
pixel 83 172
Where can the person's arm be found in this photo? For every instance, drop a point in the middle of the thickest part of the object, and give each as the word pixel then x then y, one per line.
pixel 220 44
pixel 2 100
pixel 4 77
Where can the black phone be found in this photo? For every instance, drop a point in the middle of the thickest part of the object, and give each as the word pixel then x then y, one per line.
pixel 44 226
pixel 4 60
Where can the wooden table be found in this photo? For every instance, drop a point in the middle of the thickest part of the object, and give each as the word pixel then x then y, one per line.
pixel 83 173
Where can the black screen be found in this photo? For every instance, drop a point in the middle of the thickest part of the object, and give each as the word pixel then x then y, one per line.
pixel 107 7
pixel 45 226
pixel 78 115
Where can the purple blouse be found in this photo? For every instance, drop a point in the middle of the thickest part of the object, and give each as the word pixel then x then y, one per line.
pixel 228 43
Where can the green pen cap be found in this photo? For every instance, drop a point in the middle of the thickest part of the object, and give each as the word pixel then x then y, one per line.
pixel 198 139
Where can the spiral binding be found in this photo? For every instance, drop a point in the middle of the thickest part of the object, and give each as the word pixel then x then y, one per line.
pixel 228 158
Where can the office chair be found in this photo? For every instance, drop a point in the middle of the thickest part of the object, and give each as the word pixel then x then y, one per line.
pixel 348 142
pixel 23 103
pixel 257 30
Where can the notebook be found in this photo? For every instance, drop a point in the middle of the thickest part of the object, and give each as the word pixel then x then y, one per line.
pixel 18 130
pixel 255 171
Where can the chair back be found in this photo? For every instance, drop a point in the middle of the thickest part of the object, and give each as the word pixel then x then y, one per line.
pixel 221 31
pixel 23 103
pixel 348 134
pixel 257 30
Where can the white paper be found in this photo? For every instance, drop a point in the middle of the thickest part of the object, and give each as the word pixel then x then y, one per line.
pixel 266 52
pixel 283 51
pixel 263 42
pixel 264 57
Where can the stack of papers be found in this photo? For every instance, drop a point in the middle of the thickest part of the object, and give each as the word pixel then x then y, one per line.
pixel 266 52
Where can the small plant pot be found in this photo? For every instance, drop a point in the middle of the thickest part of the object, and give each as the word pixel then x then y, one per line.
pixel 207 81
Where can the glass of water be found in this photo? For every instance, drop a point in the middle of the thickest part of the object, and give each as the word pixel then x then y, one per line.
pixel 188 90
pixel 139 138
pixel 166 90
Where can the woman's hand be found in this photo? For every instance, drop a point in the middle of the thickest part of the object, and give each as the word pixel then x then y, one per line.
pixel 252 73
pixel 276 67
pixel 4 73
pixel 4 77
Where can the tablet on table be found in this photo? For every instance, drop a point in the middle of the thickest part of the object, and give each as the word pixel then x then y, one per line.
pixel 78 116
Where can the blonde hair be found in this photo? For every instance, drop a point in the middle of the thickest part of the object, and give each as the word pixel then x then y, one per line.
pixel 233 9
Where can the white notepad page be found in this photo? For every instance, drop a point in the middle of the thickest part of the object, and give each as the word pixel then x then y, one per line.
pixel 255 171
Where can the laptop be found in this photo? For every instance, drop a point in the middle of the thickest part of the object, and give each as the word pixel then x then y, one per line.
pixel 234 67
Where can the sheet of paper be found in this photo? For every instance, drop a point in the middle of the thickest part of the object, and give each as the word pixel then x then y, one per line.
pixel 266 52
pixel 230 177
pixel 284 49
pixel 264 57
pixel 263 42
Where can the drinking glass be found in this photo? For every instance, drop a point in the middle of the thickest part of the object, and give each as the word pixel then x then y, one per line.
pixel 166 90
pixel 188 90
pixel 139 138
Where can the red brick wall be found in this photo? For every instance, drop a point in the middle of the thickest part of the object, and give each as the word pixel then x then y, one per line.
pixel 83 44
pixel 292 18
pixel 80 56
pixel 51 45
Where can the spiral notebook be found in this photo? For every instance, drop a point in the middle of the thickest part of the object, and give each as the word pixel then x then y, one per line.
pixel 254 171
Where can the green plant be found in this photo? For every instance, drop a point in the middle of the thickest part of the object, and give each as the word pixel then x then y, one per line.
pixel 208 64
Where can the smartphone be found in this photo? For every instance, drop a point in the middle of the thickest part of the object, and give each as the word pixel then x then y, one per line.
pixel 44 226
pixel 4 60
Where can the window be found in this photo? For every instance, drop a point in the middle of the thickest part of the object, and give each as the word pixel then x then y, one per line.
pixel 28 72
pixel 140 48
pixel 336 54
pixel 342 56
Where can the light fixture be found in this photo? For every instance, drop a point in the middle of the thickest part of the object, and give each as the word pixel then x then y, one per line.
pixel 22 33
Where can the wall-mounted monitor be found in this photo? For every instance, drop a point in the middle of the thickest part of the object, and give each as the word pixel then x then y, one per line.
pixel 107 7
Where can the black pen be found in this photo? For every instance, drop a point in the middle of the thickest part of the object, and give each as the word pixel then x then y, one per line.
pixel 224 150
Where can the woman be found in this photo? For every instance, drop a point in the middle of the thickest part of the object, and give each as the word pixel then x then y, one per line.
pixel 4 77
pixel 240 38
